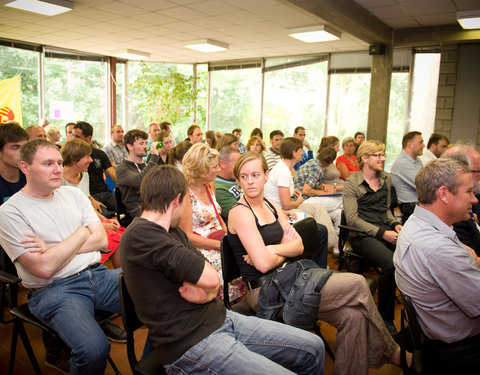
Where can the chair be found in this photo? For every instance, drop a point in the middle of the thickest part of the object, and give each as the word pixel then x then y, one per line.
pixel 150 364
pixel 352 261
pixel 122 215
pixel 21 314
pixel 230 272
pixel 411 338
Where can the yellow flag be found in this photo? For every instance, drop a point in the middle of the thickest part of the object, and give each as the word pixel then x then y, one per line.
pixel 10 105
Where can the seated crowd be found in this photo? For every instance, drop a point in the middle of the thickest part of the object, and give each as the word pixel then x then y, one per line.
pixel 186 198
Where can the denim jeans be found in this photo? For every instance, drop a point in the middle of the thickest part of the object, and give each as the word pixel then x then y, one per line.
pixel 249 345
pixel 67 306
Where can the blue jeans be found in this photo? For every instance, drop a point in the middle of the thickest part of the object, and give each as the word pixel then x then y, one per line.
pixel 67 306
pixel 249 345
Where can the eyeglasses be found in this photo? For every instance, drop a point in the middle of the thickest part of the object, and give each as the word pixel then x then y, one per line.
pixel 378 155
pixel 475 171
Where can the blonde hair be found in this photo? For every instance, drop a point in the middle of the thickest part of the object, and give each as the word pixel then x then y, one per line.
pixel 197 161
pixel 245 158
pixel 368 147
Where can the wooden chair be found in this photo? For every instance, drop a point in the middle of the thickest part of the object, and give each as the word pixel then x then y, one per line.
pixel 150 364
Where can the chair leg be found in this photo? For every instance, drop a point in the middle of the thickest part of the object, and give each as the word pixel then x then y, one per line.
pixel 13 347
pixel 19 329
pixel 114 367
pixel 327 348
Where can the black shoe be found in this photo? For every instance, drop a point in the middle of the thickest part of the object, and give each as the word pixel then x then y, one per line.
pixel 60 362
pixel 391 328
pixel 114 332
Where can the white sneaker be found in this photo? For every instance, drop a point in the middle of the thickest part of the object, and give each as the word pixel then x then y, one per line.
pixel 335 253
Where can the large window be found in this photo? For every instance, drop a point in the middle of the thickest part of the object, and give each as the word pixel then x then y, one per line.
pixel 235 99
pixel 76 91
pixel 120 98
pixel 23 63
pixel 296 96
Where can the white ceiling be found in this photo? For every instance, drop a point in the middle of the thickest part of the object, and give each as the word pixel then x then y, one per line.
pixel 251 28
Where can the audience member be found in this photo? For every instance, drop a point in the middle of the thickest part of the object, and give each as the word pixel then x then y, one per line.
pixel 101 164
pixel 211 139
pixel 438 272
pixel 262 241
pixel 183 317
pixel 331 175
pixel 366 202
pixel 227 139
pixel 176 154
pixel 280 187
pixel 256 133
pixel 55 250
pixel 347 163
pixel 227 191
pixel 436 145
pixel 115 149
pixel 69 131
pixel 76 159
pixel 131 171
pixel 36 131
pixel 195 134
pixel 12 179
pixel 53 135
pixel 165 126
pixel 237 132
pixel 299 133
pixel 202 221
pixel 404 170
pixel 153 130
pixel 359 139
pixel 273 154
pixel 256 144
pixel 164 140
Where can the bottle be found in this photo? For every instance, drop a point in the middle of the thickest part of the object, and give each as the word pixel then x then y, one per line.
pixel 159 145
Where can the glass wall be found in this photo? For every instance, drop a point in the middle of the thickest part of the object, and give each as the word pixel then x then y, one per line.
pixel 294 97
pixel 76 91
pixel 235 99
pixel 23 63
pixel 120 80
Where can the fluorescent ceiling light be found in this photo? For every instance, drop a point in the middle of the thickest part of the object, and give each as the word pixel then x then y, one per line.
pixel 45 7
pixel 312 34
pixel 131 54
pixel 206 45
pixel 469 19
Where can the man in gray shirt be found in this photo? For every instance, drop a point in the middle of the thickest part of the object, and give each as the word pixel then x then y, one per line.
pixel 403 172
pixel 439 273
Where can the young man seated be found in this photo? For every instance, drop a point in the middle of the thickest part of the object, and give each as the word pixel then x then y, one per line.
pixel 173 288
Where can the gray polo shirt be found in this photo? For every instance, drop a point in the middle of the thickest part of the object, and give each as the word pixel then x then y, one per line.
pixel 434 268
pixel 403 173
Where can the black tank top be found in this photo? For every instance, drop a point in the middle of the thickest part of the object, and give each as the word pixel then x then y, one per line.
pixel 271 234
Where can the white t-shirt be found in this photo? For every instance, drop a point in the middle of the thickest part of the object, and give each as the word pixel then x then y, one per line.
pixel 52 220
pixel 280 175
pixel 83 185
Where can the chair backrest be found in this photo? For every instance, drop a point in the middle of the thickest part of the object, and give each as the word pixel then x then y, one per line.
pixel 121 210
pixel 411 330
pixel 230 270
pixel 130 319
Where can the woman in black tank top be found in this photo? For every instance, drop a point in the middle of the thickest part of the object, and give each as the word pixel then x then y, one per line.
pixel 259 234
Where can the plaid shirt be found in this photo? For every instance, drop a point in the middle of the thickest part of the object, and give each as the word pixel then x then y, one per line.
pixel 116 153
pixel 309 173
pixel 242 148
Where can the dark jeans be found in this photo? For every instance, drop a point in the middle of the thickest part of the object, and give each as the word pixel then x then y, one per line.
pixel 320 257
pixel 108 199
pixel 380 254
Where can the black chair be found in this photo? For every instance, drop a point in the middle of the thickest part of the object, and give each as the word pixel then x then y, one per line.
pixel 230 272
pixel 150 364
pixel 21 314
pixel 122 215
pixel 411 338
pixel 347 258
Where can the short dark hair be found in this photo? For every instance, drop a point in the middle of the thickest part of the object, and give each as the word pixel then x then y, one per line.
pixel 178 152
pixel 326 156
pixel 85 127
pixel 256 132
pixel 161 136
pixel 69 124
pixel 359 133
pixel 276 132
pixel 192 128
pixel 297 129
pixel 409 137
pixel 288 146
pixel 329 141
pixel 225 140
pixel 435 138
pixel 164 125
pixel 160 187
pixel 11 132
pixel 236 130
pixel 29 149
pixel 132 135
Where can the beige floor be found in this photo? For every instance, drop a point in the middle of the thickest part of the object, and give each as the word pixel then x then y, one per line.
pixel 118 351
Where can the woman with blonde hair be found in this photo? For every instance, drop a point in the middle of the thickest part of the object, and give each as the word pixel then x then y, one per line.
pixel 53 135
pixel 202 221
pixel 256 144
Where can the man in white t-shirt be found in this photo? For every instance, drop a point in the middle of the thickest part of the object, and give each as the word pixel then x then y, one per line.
pixel 55 249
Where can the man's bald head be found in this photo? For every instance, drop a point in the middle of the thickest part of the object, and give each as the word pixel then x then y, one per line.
pixel 464 152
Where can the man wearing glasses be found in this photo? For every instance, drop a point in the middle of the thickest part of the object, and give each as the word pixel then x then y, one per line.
pixel 366 203
pixel 404 169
